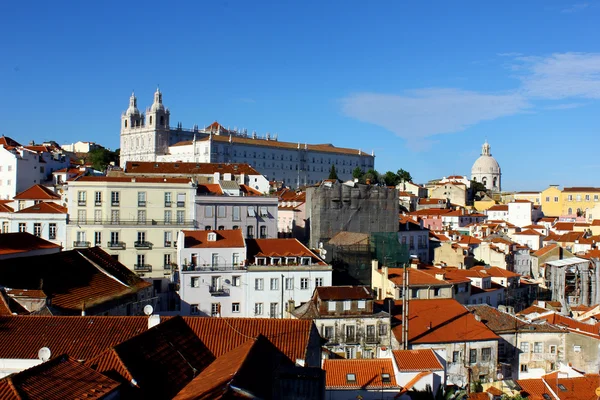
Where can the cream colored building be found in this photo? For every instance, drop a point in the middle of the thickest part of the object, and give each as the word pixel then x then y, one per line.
pixel 136 220
pixel 570 202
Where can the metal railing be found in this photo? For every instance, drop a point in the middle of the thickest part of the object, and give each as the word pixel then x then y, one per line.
pixel 136 222
pixel 142 245
pixel 141 203
pixel 116 245
pixel 167 204
pixel 81 202
pixel 80 244
pixel 142 267
pixel 181 204
pixel 218 291
pixel 207 267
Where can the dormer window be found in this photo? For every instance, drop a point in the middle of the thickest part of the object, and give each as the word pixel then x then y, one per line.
pixel 275 260
pixel 261 260
pixel 291 260
pixel 351 378
pixel 386 378
pixel 305 260
pixel 212 237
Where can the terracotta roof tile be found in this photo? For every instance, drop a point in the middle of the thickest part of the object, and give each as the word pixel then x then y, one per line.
pixel 581 189
pixel 131 179
pixel 61 378
pixel 417 360
pixel 37 192
pixel 6 208
pixel 367 373
pixel 545 250
pixel 572 324
pixel 564 226
pixel 187 168
pixel 209 189
pixel 224 239
pixel 344 293
pixel 21 242
pixel 279 248
pixel 44 208
pixel 248 191
pixel 498 207
pixel 416 277
pixel 8 142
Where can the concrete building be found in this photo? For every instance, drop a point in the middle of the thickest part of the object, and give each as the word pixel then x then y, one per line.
pixel 333 207
pixel 415 237
pixel 486 170
pixel 150 137
pixel 572 281
pixel 135 220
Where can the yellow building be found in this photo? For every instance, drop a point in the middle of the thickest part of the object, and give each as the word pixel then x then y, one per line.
pixel 134 219
pixel 533 197
pixel 571 201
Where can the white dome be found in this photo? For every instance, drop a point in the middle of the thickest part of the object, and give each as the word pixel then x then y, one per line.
pixel 485 165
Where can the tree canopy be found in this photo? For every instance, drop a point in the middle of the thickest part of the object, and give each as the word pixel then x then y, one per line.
pixel 101 158
pixel 333 173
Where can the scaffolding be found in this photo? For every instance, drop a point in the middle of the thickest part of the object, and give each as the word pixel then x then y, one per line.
pixel 387 250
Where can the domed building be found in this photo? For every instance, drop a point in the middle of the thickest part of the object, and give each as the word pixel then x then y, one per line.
pixel 487 170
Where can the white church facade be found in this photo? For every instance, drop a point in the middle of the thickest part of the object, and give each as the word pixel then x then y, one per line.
pixel 487 170
pixel 149 137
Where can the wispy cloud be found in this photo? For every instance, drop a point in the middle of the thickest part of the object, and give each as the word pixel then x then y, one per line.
pixel 575 8
pixel 561 75
pixel 418 114
pixel 565 106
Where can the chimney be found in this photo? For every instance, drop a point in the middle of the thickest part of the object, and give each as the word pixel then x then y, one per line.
pixel 153 320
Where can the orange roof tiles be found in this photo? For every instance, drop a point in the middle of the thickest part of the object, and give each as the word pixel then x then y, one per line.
pixel 367 373
pixel 128 179
pixel 572 324
pixel 344 293
pixel 21 242
pixel 416 277
pixel 209 188
pixel 44 208
pixel 496 272
pixel 563 226
pixel 248 191
pixel 279 248
pixel 498 207
pixel 579 388
pixel 60 378
pixel 6 208
pixel 417 360
pixel 187 168
pixel 224 238
pixel 37 192
pixel 581 189
pixel 8 142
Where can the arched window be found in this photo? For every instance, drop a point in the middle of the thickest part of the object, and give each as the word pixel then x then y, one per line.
pixel 495 181
pixel 475 178
pixel 484 181
pixel 151 120
pixel 162 120
pixel 125 123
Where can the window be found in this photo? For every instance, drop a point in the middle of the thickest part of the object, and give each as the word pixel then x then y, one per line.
pixel 22 227
pixel 98 198
pixel 215 259
pixel 303 283
pixel 382 330
pixel 318 282
pixel 235 280
pixel 114 237
pixel 553 349
pixel 437 292
pixel 235 307
pixel 385 378
pixel 538 347
pixel 236 259
pixel 251 211
pixel 167 199
pixel 221 212
pixel 455 356
pixel 577 349
pixel 168 238
pixel 258 308
pixel 98 216
pixel 331 305
pixel 587 197
pixel 141 199
pixel 273 310
pixel 362 304
pixel 168 216
pixel 141 216
pixel 328 332
pixel 207 228
pixel 547 199
pixel 289 283
pixel 258 284
pixel 556 199
pixel 263 232
pixel 250 234
pixel 486 354
pixel 473 356
pixel 81 197
pixel 180 217
pixel 414 293
pixel 195 281
pixel 235 212
pixel 570 197
pixel 194 309
pixel 523 368
pixel 114 198
pixel 264 212
pixel 595 197
pixel 114 216
pixel 97 238
pixel 215 309
pixel 81 215
pixel 52 231
pixel 524 347
pixel 180 199
pixel 37 229
pixel 167 261
pixel 274 284
pixel 347 305
pixel 351 378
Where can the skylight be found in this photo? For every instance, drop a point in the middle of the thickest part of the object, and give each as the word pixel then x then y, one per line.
pixel 351 378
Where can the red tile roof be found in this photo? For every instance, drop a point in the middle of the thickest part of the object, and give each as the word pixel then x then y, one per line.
pixel 581 189
pixel 37 192
pixel 579 388
pixel 187 168
pixel 279 248
pixel 344 293
pixel 60 378
pixel 417 360
pixel 496 272
pixel 21 242
pixel 572 324
pixel 225 239
pixel 545 250
pixel 248 191
pixel 131 179
pixel 498 207
pixel 209 188
pixel 222 335
pixel 367 373
pixel 44 208
pixel 8 142
pixel 6 208
pixel 564 226
pixel 416 277
pixel 529 232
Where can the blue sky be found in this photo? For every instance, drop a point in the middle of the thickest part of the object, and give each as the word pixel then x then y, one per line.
pixel 422 83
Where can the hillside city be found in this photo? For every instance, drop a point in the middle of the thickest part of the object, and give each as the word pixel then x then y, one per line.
pixel 210 262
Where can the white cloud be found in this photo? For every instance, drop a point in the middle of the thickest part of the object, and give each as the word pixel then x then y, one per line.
pixel 418 114
pixel 565 106
pixel 575 8
pixel 561 75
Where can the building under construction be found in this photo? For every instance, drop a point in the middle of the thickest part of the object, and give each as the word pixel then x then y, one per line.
pixel 573 281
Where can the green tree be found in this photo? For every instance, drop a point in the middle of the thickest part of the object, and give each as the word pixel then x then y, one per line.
pixel 357 173
pixel 372 176
pixel 477 186
pixel 404 176
pixel 390 178
pixel 100 158
pixel 333 173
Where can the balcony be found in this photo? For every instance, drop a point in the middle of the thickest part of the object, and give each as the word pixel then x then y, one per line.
pixel 142 245
pixel 167 204
pixel 218 291
pixel 81 202
pixel 142 267
pixel 116 245
pixel 80 245
pixel 181 204
pixel 141 203
pixel 188 223
pixel 98 203
pixel 208 267
pixel 114 203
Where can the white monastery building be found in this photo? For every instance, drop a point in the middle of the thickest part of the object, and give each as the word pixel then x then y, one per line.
pixel 149 137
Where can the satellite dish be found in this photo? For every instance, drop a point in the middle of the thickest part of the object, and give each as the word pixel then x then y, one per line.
pixel 148 309
pixel 44 354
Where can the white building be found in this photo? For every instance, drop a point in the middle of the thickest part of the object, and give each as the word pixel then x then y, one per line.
pixel 273 278
pixel 149 137
pixel 487 170
pixel 499 212
pixel 81 147
pixel 520 213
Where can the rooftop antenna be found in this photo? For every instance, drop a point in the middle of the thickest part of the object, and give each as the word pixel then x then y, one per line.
pixel 44 354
